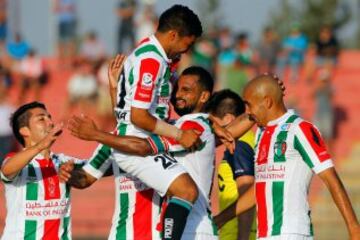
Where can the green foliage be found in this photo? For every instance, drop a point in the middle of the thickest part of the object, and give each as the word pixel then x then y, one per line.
pixel 311 15
pixel 209 11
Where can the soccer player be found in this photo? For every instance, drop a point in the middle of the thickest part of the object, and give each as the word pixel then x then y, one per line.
pixel 193 90
pixel 142 107
pixel 38 205
pixel 289 150
pixel 236 171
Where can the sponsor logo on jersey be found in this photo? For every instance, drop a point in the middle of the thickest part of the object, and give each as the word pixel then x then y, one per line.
pixel 280 148
pixel 164 100
pixel 147 81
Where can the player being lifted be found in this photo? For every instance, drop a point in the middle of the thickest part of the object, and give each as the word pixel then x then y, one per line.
pixel 142 107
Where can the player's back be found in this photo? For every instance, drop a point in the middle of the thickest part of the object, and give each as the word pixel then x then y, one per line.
pixel 144 83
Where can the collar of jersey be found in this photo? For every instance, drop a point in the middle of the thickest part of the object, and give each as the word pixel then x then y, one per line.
pixel 40 156
pixel 281 119
pixel 160 48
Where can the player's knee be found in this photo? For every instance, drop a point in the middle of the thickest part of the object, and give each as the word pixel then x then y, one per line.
pixel 185 188
pixel 192 193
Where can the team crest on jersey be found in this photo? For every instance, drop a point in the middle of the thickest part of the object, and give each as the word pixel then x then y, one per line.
pixel 280 148
pixel 146 81
pixel 285 127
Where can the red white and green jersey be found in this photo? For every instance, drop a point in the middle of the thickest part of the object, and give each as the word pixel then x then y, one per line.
pixel 38 205
pixel 137 207
pixel 200 165
pixel 287 152
pixel 144 83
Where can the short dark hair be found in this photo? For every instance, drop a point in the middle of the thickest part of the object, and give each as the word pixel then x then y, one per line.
pixel 20 118
pixel 225 102
pixel 205 79
pixel 182 19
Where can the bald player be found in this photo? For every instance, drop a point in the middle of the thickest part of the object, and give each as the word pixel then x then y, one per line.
pixel 288 151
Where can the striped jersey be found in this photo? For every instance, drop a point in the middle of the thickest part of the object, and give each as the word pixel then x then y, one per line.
pixel 200 166
pixel 137 207
pixel 144 83
pixel 287 152
pixel 38 205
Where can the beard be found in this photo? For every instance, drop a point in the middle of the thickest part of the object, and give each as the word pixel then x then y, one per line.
pixel 184 110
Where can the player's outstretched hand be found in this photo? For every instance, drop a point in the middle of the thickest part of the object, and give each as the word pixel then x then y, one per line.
pixel 115 67
pixel 82 127
pixel 65 171
pixel 280 82
pixel 190 139
pixel 224 136
pixel 51 137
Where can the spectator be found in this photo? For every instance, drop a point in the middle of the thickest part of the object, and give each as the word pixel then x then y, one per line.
pixel 3 21
pixel 18 48
pixel 66 11
pixel 33 76
pixel 269 48
pixel 237 77
pixel 104 108
pixel 126 12
pixel 6 136
pixel 204 53
pixel 226 57
pixel 92 48
pixel 327 47
pixel 82 86
pixel 146 22
pixel 243 49
pixel 293 51
pixel 324 111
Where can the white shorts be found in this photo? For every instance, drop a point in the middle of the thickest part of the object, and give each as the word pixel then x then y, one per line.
pixel 289 237
pixel 157 172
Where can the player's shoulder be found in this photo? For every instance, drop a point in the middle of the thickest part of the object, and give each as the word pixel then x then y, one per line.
pixel 201 119
pixel 8 156
pixel 292 123
pixel 147 49
pixel 248 137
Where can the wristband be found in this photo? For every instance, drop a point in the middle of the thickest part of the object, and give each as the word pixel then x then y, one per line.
pixel 167 130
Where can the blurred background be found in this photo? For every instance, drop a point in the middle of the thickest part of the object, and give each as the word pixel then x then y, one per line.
pixel 56 51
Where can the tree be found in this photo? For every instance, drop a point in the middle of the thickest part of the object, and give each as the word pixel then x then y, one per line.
pixel 210 14
pixel 311 15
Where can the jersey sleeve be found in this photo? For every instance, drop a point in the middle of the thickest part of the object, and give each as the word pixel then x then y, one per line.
pixel 77 161
pixel 309 143
pixel 242 161
pixel 100 162
pixel 3 178
pixel 146 73
pixel 160 144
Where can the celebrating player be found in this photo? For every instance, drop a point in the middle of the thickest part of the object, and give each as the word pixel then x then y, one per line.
pixel 288 150
pixel 38 205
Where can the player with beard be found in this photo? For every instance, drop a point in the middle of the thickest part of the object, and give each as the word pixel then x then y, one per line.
pixel 193 89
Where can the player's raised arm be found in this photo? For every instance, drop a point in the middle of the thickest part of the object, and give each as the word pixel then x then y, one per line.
pixel 115 67
pixel 15 163
pixel 84 128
